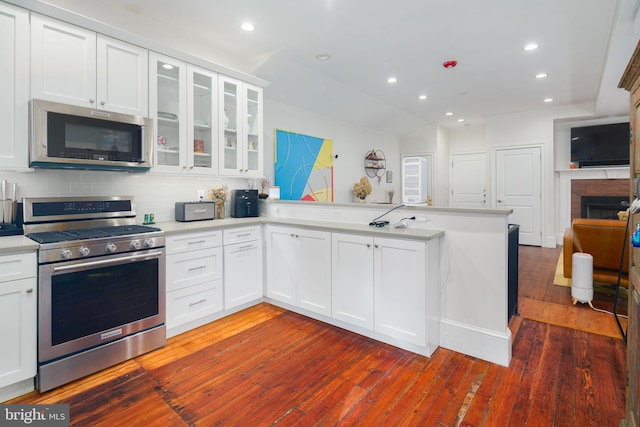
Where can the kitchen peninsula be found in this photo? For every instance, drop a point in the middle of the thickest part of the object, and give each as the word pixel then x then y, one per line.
pixel 465 260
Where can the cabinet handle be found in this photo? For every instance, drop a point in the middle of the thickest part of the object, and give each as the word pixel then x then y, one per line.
pixel 198 268
pixel 30 290
pixel 244 248
pixel 197 242
pixel 191 304
pixel 245 234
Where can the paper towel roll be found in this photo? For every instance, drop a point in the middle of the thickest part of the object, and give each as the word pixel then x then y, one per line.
pixel 582 277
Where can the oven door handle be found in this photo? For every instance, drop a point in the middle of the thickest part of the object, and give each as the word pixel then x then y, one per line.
pixel 107 261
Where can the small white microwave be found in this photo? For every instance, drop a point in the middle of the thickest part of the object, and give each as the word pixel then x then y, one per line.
pixel 68 136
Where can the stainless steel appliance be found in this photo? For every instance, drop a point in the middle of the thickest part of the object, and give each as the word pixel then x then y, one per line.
pixel 67 136
pixel 244 203
pixel 101 285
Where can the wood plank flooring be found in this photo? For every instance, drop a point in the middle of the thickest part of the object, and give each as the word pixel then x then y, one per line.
pixel 267 366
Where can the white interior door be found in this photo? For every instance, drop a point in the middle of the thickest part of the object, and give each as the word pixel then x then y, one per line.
pixel 469 180
pixel 518 181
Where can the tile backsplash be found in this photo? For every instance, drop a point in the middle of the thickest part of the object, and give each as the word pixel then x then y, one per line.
pixel 154 193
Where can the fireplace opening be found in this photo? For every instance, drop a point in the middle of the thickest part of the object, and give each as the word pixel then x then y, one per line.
pixel 602 207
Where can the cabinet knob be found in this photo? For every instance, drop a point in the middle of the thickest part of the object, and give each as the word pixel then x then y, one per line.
pixel 376 246
pixel 92 101
pixel 30 290
pixel 292 235
pixel 102 103
pixel 368 245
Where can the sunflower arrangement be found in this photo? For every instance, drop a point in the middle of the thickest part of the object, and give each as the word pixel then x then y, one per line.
pixel 362 188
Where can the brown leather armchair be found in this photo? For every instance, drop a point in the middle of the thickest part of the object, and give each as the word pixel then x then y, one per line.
pixel 602 239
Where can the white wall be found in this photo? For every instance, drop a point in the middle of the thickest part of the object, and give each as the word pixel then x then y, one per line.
pixel 350 144
pixel 154 193
pixel 509 130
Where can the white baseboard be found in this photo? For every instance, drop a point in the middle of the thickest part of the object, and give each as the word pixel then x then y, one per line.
pixel 17 389
pixel 481 343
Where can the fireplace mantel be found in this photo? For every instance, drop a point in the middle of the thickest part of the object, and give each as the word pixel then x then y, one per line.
pixel 564 191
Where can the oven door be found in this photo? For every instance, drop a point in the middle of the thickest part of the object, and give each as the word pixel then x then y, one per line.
pixel 89 302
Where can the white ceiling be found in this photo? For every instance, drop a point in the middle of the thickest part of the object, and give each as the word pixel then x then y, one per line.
pixel 584 48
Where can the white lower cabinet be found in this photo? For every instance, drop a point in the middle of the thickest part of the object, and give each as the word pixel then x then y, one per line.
pixel 242 266
pixel 194 278
pixel 299 267
pixel 18 304
pixel 400 289
pixel 380 284
pixel 352 279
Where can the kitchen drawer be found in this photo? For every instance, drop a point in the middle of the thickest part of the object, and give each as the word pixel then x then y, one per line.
pixel 243 234
pixel 193 241
pixel 195 267
pixel 193 302
pixel 18 266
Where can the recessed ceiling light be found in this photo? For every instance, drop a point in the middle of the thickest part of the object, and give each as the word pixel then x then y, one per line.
pixel 461 120
pixel 323 57
pixel 449 113
pixel 548 100
pixel 530 47
pixel 541 75
pixel 167 66
pixel 248 26
pixel 392 80
pixel 422 97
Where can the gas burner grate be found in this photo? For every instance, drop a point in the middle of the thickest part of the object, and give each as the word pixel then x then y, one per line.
pixel 89 233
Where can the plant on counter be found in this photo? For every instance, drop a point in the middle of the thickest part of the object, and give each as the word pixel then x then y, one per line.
pixel 362 188
pixel 219 194
pixel 264 187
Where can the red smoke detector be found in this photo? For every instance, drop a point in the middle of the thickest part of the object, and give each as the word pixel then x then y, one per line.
pixel 449 64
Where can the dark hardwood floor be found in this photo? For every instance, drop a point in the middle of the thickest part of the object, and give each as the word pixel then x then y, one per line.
pixel 268 366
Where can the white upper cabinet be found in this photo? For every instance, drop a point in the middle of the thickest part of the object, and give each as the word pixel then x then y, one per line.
pixel 184 106
pixel 168 105
pixel 76 66
pixel 14 86
pixel 123 77
pixel 241 139
pixel 202 117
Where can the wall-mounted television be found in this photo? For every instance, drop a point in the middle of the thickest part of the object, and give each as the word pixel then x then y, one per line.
pixel 602 145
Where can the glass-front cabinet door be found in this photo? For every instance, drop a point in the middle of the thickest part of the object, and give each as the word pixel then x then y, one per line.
pixel 168 110
pixel 230 126
pixel 203 119
pixel 253 131
pixel 240 128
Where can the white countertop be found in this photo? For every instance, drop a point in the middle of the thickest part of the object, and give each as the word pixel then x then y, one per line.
pixel 17 244
pixel 173 227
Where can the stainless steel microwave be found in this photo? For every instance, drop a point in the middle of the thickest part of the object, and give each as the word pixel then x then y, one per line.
pixel 68 136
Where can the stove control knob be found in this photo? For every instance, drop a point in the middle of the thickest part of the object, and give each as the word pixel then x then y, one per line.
pixel 135 244
pixel 148 243
pixel 84 251
pixel 111 247
pixel 65 253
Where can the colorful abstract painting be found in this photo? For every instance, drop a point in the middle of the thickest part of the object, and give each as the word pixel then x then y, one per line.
pixel 303 167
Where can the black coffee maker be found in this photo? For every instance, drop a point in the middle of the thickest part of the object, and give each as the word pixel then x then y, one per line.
pixel 244 203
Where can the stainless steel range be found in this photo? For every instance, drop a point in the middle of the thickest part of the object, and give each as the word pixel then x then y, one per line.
pixel 101 285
